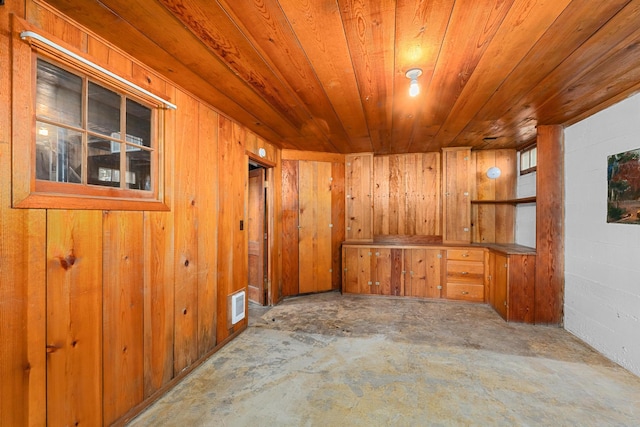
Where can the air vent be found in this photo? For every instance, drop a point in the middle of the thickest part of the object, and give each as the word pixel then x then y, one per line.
pixel 237 307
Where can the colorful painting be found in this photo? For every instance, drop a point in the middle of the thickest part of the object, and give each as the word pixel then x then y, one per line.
pixel 623 200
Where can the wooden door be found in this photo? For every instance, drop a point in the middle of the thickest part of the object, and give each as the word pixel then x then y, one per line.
pixel 74 318
pixel 382 271
pixel 456 207
pixel 423 273
pixel 314 230
pixel 255 232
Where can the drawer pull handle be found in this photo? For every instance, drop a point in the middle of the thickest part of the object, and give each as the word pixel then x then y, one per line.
pixel 464 293
pixel 464 272
pixel 465 255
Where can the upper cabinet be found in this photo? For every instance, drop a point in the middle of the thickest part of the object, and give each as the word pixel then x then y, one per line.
pixel 456 187
pixel 359 200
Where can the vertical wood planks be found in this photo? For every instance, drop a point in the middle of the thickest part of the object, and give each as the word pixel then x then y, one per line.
pixel 456 208
pixel 186 237
pixel 74 317
pixel 407 194
pixel 549 291
pixel 122 313
pixel 207 228
pixel 159 278
pixel 290 211
pixel 337 220
pixel 359 196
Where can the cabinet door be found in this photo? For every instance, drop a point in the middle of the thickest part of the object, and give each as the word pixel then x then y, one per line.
pixel 359 200
pixel 456 207
pixel 422 273
pixel 357 270
pixel 381 267
pixel 500 281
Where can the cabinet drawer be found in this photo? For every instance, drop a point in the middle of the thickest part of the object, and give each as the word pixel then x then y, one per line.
pixel 465 254
pixel 465 271
pixel 465 291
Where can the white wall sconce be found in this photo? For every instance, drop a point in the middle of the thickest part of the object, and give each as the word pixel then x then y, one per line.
pixel 414 87
pixel 493 172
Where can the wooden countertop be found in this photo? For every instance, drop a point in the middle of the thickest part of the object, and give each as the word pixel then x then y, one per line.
pixel 436 242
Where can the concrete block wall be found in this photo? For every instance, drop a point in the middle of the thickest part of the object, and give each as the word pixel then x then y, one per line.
pixel 602 261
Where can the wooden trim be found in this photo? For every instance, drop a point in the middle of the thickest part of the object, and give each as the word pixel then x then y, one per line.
pixel 507 201
pixel 549 288
pixel 260 160
pixel 312 155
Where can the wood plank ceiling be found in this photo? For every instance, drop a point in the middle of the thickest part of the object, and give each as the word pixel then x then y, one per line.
pixel 329 75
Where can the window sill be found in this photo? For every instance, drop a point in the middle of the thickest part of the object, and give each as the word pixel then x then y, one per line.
pixel 63 201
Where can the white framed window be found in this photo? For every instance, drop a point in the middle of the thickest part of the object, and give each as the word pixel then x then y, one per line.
pixel 528 160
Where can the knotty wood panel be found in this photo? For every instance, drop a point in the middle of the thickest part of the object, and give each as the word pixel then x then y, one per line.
pixel 123 339
pixel 207 228
pixel 359 196
pixel 74 317
pixel 423 272
pixel 549 291
pixel 186 236
pixel 494 223
pixel 456 208
pixel 337 220
pixel 382 269
pixel 522 270
pixel 232 245
pixel 159 277
pixel 315 260
pixel 407 194
pixel 290 212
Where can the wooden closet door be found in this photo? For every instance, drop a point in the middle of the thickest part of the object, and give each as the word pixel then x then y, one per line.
pixel 314 231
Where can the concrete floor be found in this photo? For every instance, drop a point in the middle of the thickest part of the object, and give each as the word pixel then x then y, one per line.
pixel 334 360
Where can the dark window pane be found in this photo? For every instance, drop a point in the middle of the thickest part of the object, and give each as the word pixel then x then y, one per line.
pixel 139 170
pixel 104 111
pixel 103 167
pixel 58 95
pixel 138 124
pixel 58 154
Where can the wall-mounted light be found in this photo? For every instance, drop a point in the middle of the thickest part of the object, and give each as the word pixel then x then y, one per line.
pixel 414 87
pixel 493 172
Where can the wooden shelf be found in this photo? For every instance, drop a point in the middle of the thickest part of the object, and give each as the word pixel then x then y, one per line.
pixel 505 202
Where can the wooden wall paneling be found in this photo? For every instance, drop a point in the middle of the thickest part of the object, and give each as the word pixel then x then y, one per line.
pixel 207 228
pixel 397 199
pixel 505 224
pixel 381 202
pixel 186 233
pixel 23 275
pixel 232 251
pixel 159 277
pixel 359 202
pixel 123 340
pixel 337 222
pixel 52 22
pixel 274 200
pixel 413 176
pixel 549 290
pixel 74 317
pixel 290 212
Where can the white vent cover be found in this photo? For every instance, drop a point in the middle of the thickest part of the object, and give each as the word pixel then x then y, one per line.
pixel 237 307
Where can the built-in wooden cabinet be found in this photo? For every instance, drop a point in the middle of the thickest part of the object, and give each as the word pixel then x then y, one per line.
pixel 465 274
pixel 456 200
pixel 512 281
pixel 370 270
pixel 359 197
pixel 423 272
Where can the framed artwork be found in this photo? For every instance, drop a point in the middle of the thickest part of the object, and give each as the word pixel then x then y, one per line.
pixel 623 178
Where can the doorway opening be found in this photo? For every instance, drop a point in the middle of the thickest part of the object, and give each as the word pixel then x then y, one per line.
pixel 259 234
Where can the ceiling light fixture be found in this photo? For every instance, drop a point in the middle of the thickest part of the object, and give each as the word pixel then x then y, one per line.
pixel 413 74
